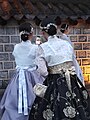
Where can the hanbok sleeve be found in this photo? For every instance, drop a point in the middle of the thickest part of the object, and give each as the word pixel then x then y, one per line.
pixel 40 62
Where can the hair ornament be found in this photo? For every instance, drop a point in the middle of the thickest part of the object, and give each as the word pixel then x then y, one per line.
pixel 43 27
pixel 66 26
pixel 32 30
pixel 25 32
pixel 51 24
pixel 48 26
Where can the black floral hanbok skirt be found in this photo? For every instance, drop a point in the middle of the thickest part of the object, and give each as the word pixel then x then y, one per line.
pixel 60 102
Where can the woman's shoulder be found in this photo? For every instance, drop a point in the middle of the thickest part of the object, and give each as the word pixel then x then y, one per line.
pixel 17 45
pixel 44 44
pixel 63 41
pixel 34 45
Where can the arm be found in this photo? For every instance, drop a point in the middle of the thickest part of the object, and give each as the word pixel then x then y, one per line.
pixel 40 62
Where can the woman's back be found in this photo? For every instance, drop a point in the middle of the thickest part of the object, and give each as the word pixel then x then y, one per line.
pixel 25 54
pixel 57 51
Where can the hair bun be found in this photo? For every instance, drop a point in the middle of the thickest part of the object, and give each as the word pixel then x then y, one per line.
pixel 25 29
pixel 24 37
pixel 51 29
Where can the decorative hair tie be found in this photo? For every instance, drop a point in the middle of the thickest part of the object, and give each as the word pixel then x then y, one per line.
pixel 25 32
pixel 43 27
pixel 48 25
pixel 62 28
pixel 32 30
pixel 65 27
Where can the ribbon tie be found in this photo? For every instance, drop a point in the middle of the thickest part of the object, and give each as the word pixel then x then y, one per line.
pixel 67 76
pixel 22 93
pixel 22 100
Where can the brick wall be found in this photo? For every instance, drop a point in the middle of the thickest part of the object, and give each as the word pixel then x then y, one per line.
pixel 9 36
pixel 81 41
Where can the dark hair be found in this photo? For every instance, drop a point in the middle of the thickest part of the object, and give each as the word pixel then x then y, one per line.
pixel 64 27
pixel 47 21
pixel 48 26
pixel 52 30
pixel 25 29
pixel 24 37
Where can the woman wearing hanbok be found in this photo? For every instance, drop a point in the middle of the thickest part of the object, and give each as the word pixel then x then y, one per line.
pixel 65 31
pixel 18 98
pixel 64 96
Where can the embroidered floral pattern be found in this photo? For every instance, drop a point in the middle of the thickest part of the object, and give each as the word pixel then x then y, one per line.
pixel 58 97
pixel 48 114
pixel 68 94
pixel 35 106
pixel 58 81
pixel 73 95
pixel 85 94
pixel 69 112
pixel 51 97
